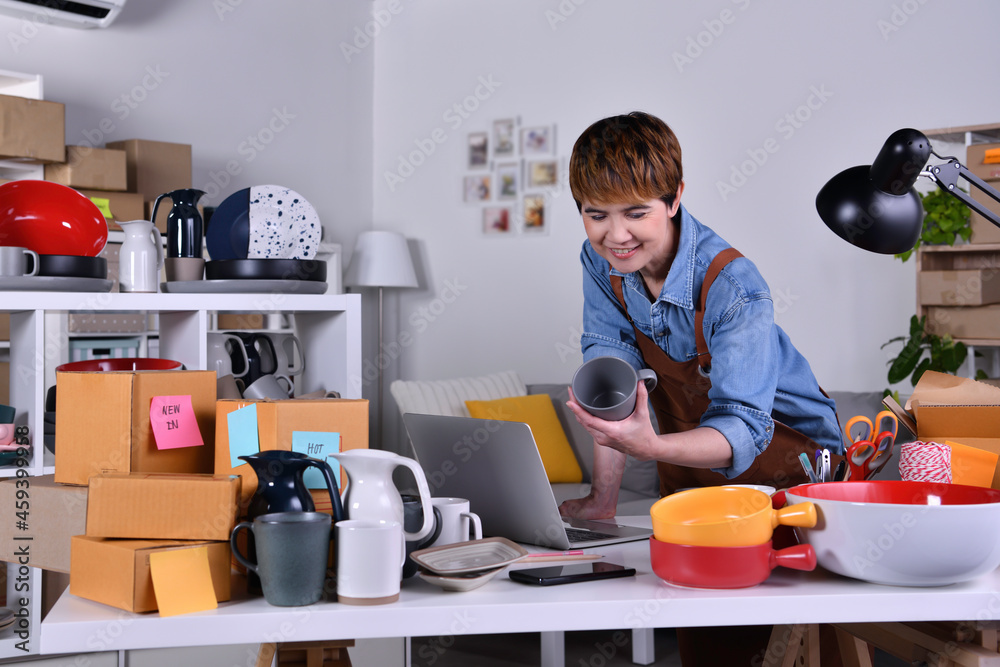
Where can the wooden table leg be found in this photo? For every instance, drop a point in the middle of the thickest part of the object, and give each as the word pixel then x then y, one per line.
pixel 853 651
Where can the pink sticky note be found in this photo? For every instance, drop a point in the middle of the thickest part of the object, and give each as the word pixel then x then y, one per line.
pixel 173 421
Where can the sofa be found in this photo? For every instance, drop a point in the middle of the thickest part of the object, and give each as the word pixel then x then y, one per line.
pixel 640 484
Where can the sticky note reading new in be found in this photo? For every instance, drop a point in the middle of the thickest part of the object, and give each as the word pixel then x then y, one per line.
pixel 243 439
pixel 182 581
pixel 173 421
pixel 318 445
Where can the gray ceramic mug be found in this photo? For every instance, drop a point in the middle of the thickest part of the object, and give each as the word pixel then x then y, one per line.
pixel 292 552
pixel 606 387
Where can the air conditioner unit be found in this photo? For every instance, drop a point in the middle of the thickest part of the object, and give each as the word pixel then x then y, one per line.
pixel 69 13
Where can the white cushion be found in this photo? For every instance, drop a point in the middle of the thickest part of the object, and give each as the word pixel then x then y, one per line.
pixel 448 397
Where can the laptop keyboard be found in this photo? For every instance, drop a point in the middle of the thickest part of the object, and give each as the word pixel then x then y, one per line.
pixel 580 535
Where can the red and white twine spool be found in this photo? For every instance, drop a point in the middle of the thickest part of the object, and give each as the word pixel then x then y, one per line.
pixel 925 462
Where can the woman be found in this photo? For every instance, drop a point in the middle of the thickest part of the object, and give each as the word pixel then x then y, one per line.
pixel 735 402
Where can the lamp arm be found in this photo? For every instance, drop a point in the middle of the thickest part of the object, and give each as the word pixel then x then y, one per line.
pixel 946 176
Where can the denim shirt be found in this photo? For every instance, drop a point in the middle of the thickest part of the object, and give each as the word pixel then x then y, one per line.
pixel 757 374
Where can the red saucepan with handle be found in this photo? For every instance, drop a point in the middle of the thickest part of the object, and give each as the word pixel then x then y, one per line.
pixel 724 567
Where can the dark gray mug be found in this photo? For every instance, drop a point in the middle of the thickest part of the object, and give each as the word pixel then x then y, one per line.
pixel 413 519
pixel 606 387
pixel 292 553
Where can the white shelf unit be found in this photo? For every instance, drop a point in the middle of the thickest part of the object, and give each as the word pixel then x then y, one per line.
pixel 328 326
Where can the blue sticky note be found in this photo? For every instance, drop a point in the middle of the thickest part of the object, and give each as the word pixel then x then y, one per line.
pixel 243 439
pixel 318 445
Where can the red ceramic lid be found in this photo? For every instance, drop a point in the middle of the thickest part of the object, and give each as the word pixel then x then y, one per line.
pixel 50 219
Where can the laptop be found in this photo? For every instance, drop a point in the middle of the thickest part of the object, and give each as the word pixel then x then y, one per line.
pixel 496 466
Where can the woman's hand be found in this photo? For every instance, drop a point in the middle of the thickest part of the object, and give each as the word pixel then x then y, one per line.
pixel 633 435
pixel 589 507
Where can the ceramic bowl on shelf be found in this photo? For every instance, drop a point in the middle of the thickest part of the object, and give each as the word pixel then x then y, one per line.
pixel 725 567
pixel 723 516
pixel 74 266
pixel 122 364
pixel 266 269
pixel 903 533
pixel 50 219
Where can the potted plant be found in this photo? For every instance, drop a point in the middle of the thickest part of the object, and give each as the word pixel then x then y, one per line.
pixel 946 219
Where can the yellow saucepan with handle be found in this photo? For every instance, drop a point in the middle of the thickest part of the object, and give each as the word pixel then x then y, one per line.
pixel 724 516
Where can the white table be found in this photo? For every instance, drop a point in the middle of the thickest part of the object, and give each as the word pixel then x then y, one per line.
pixel 502 606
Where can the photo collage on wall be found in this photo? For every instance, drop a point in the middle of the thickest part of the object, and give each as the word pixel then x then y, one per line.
pixel 510 169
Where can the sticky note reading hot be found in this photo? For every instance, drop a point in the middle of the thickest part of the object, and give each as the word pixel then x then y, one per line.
pixel 242 426
pixel 182 581
pixel 173 421
pixel 318 445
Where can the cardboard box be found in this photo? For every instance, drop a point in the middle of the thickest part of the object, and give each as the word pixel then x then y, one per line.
pixel 107 322
pixel 155 167
pixel 5 382
pixel 163 506
pixel 33 130
pixel 974 287
pixel 87 167
pixel 57 513
pixel 104 423
pixel 4 326
pixel 983 231
pixel 278 420
pixel 240 321
pixel 123 206
pixel 965 322
pixel 116 572
pixel 946 407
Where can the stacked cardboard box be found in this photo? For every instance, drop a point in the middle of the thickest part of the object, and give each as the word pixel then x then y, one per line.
pixel 984 231
pixel 154 168
pixel 32 130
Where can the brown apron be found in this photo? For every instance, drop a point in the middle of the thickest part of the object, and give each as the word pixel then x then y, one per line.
pixel 681 398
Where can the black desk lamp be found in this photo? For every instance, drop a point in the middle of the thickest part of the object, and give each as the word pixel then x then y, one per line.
pixel 875 207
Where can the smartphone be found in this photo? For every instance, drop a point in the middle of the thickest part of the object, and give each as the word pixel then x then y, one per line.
pixel 568 574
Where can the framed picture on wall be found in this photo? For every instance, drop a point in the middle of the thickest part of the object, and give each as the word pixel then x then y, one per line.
pixel 543 173
pixel 504 141
pixel 508 175
pixel 534 213
pixel 537 140
pixel 479 143
pixel 496 220
pixel 476 188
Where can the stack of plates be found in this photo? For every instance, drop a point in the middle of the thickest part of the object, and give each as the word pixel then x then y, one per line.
pixel 467 565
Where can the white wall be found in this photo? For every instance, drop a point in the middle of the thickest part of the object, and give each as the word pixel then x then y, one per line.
pixel 880 66
pixel 260 85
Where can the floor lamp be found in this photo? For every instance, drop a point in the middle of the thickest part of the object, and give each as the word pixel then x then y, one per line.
pixel 380 259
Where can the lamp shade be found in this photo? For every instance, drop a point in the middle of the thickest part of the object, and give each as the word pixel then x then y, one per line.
pixel 381 259
pixel 875 207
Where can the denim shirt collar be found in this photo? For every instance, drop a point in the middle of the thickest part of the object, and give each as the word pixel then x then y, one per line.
pixel 678 288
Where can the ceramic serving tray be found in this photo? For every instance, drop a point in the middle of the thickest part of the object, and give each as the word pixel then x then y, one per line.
pixel 54 284
pixel 460 582
pixel 473 556
pixel 244 286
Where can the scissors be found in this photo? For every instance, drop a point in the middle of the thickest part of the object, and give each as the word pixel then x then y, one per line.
pixel 873 448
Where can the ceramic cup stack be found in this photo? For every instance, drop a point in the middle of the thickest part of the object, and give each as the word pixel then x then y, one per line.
pixel 720 537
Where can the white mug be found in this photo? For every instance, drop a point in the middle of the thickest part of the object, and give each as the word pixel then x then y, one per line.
pixel 370 557
pixel 458 524
pixel 269 386
pixel 219 358
pixel 14 261
pixel 289 357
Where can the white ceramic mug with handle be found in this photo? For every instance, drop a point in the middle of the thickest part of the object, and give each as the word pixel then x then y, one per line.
pixel 458 522
pixel 370 557
pixel 220 354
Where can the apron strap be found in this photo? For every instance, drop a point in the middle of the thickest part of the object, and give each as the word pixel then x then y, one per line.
pixel 720 262
pixel 616 285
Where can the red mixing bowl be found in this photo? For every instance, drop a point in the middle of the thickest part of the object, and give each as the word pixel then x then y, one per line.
pixel 724 567
pixel 122 364
pixel 50 219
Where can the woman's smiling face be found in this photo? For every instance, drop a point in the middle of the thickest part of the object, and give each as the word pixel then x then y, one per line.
pixel 633 236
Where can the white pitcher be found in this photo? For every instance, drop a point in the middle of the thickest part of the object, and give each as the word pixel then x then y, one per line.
pixel 140 258
pixel 371 494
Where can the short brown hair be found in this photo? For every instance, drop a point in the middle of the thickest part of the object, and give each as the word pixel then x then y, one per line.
pixel 630 158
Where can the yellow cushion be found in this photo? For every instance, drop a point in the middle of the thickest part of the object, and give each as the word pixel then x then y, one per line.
pixel 537 412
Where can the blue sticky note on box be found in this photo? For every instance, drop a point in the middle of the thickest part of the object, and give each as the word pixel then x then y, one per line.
pixel 243 439
pixel 318 445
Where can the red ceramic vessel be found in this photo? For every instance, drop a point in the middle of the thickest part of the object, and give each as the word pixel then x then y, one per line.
pixel 724 567
pixel 122 364
pixel 50 219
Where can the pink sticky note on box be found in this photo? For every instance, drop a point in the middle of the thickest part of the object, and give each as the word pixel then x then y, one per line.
pixel 173 421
